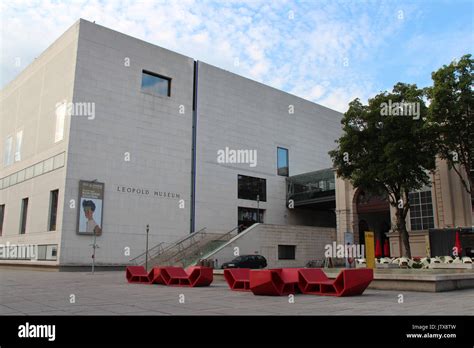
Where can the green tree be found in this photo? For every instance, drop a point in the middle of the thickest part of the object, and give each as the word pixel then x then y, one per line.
pixel 451 115
pixel 387 148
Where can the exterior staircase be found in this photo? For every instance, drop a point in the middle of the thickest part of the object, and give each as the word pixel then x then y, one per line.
pixel 186 251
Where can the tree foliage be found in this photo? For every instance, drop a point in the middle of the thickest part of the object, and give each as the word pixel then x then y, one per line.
pixel 388 154
pixel 451 115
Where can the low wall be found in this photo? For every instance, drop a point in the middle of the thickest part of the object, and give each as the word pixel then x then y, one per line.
pixel 263 239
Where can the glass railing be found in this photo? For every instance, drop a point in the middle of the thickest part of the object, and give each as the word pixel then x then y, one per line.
pixel 311 187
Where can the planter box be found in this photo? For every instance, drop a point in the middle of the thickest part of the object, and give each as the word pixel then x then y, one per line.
pixel 452 266
pixel 386 265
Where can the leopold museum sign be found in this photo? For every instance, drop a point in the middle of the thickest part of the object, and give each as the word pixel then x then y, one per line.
pixel 147 192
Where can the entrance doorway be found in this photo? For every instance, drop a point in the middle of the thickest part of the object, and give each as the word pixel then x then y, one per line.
pixel 374 215
pixel 248 216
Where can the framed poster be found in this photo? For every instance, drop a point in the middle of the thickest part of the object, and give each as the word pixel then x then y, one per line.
pixel 91 207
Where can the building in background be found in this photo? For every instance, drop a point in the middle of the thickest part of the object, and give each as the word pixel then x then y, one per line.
pixel 444 204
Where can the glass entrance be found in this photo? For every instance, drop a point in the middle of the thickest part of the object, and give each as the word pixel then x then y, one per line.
pixel 248 216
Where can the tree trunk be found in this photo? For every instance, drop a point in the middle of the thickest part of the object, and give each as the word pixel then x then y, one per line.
pixel 401 228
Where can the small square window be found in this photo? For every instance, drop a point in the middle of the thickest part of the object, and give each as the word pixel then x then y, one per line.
pixel 286 252
pixel 156 84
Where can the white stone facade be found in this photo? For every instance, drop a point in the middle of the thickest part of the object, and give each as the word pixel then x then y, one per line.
pixel 139 144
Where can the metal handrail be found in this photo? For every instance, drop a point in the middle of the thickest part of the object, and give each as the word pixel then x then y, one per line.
pixel 180 245
pixel 223 236
pixel 191 235
pixel 180 241
pixel 182 249
pixel 159 246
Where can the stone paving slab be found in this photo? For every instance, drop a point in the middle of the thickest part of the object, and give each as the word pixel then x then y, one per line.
pixel 30 292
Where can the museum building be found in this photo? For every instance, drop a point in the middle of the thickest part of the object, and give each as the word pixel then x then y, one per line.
pixel 104 134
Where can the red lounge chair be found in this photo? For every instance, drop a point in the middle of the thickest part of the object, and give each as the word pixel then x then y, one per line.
pixel 238 279
pixel 193 276
pixel 136 274
pixel 349 282
pixel 274 282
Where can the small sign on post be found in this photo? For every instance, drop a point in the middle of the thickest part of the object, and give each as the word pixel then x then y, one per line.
pixel 94 247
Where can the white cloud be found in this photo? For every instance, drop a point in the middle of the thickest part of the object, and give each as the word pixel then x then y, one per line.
pixel 304 55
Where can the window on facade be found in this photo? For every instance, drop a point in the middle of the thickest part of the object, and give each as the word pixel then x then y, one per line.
pixel 282 162
pixel 252 188
pixel 7 152
pixel 286 252
pixel 156 84
pixel 2 216
pixel 53 210
pixel 24 215
pixel 421 211
pixel 47 252
pixel 19 141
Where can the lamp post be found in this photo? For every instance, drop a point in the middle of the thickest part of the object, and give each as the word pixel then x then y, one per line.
pixel 94 246
pixel 146 250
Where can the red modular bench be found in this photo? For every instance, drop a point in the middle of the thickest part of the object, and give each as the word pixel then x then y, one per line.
pixel 200 276
pixel 238 279
pixel 136 274
pixel 274 282
pixel 193 276
pixel 158 276
pixel 176 276
pixel 349 282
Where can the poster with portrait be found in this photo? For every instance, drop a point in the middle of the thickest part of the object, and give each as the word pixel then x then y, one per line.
pixel 91 207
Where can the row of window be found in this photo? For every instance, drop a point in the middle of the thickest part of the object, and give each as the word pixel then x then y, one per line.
pixel 52 217
pixel 44 252
pixel 13 154
pixel 34 170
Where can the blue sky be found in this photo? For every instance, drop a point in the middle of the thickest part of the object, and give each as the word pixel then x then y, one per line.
pixel 327 51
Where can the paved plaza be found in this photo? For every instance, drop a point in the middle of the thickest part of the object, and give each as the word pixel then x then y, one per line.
pixel 45 292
